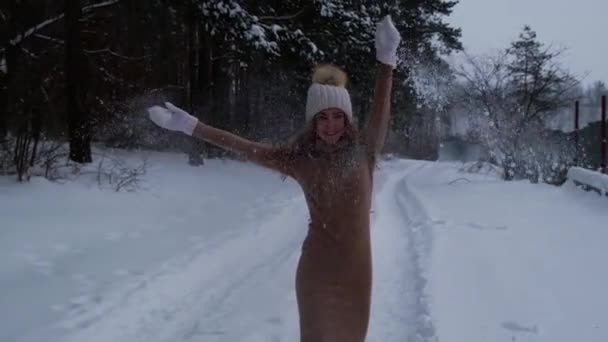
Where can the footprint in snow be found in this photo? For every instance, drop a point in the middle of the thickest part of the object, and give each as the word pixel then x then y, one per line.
pixel 121 273
pixel 516 327
pixel 476 226
pixel 176 219
pixel 134 235
pixel 480 227
pixel 438 222
pixel 61 248
pixel 274 320
pixel 113 236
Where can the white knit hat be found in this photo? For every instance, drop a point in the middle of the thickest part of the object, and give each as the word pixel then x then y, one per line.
pixel 328 91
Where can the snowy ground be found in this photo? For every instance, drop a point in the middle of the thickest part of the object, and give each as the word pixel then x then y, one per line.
pixel 512 261
pixel 209 254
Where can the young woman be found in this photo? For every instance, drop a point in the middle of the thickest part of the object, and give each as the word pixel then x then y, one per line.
pixel 334 165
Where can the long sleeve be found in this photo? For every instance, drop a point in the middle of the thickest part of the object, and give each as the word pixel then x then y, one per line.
pixel 378 124
pixel 259 153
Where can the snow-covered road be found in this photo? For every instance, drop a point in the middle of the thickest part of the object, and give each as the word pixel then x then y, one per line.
pixel 242 289
pixel 209 254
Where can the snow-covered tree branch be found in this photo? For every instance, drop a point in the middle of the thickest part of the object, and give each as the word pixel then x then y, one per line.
pixel 34 29
pixel 510 96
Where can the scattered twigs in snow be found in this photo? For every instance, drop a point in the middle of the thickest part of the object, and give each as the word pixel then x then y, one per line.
pixel 459 179
pixel 480 167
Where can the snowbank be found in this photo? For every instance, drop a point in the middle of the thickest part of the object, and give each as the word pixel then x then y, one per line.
pixel 511 261
pixel 595 180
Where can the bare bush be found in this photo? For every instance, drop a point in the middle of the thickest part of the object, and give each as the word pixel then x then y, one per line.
pixel 508 98
pixel 51 158
pixel 482 168
pixel 52 162
pixel 118 174
pixel 7 165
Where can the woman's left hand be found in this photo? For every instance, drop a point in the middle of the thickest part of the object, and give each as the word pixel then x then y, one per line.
pixel 387 41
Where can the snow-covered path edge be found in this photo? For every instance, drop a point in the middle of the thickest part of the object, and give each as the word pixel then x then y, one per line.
pixel 508 261
pixel 400 257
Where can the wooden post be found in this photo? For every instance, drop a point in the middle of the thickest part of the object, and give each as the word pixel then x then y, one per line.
pixel 576 129
pixel 603 134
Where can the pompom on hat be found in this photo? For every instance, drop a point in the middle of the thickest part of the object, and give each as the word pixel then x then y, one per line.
pixel 328 91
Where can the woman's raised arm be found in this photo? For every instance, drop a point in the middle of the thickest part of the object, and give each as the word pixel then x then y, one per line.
pixel 176 119
pixel 375 133
pixel 262 154
pixel 387 40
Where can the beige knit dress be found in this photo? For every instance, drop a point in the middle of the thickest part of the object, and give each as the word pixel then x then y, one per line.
pixel 334 275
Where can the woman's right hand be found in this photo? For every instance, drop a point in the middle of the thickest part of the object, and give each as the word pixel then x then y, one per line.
pixel 173 118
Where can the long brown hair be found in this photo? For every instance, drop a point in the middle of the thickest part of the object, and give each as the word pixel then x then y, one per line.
pixel 305 144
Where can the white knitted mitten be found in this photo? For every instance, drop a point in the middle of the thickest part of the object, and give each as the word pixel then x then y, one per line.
pixel 387 41
pixel 173 118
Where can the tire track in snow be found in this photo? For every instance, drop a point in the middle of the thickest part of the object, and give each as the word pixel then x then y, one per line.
pixel 420 231
pixel 244 285
pixel 242 289
pixel 399 309
pixel 255 300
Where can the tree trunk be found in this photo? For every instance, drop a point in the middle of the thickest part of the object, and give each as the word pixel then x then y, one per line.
pixel 195 154
pixel 10 60
pixel 166 71
pixel 22 146
pixel 76 85
pixel 256 96
pixel 243 109
pixel 4 118
pixel 221 90
pixel 219 110
pixel 205 70
pixel 132 73
pixel 36 126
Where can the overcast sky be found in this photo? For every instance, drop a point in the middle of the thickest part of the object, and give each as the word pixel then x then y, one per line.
pixel 579 25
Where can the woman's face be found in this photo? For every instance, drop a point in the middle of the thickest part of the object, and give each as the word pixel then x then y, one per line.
pixel 330 125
